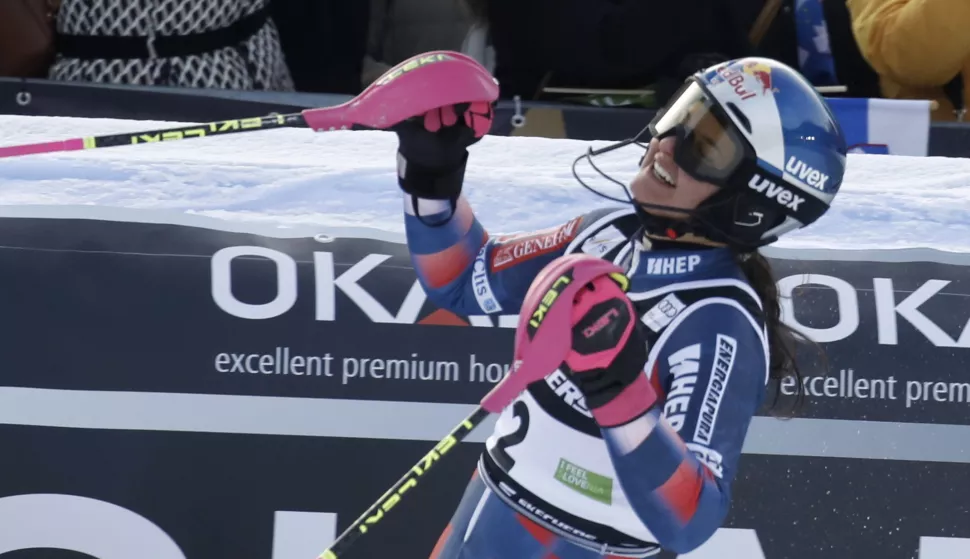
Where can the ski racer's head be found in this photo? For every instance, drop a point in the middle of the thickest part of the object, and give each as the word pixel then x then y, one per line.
pixel 743 153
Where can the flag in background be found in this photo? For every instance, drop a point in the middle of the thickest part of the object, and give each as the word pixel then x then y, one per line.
pixel 884 126
pixel 814 51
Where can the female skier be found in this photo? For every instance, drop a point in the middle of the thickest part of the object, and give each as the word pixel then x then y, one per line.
pixel 636 453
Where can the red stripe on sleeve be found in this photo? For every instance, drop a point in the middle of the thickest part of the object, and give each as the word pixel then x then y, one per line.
pixel 682 491
pixel 441 268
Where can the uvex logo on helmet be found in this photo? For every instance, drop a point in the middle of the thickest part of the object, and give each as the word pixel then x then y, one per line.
pixel 776 192
pixel 806 173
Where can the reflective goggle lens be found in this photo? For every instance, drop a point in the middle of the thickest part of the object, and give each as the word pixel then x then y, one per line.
pixel 707 147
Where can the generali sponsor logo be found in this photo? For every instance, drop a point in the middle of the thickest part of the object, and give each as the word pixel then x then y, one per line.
pixel 893 307
pixel 511 249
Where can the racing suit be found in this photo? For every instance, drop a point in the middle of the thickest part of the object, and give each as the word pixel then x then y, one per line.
pixel 552 483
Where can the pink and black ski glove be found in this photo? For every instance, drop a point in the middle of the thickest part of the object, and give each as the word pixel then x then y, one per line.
pixel 576 317
pixel 433 148
pixel 608 353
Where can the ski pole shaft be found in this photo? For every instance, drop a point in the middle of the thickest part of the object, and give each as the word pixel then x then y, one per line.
pixel 219 128
pixel 415 86
pixel 376 513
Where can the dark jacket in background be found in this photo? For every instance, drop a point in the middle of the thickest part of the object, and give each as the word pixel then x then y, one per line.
pixel 624 44
pixel 400 29
pixel 324 42
pixel 26 38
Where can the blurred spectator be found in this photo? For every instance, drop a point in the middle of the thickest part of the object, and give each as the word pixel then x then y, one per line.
pixel 591 43
pixel 324 42
pixel 630 44
pixel 222 44
pixel 798 37
pixel 921 49
pixel 400 29
pixel 478 42
pixel 26 37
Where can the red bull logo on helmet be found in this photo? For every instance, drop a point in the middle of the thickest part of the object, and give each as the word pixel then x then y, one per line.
pixel 761 72
pixel 747 80
pixel 734 78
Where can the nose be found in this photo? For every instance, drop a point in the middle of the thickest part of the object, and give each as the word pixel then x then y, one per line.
pixel 651 147
pixel 667 144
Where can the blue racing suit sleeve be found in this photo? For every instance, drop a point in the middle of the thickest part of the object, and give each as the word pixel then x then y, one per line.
pixel 676 464
pixel 465 271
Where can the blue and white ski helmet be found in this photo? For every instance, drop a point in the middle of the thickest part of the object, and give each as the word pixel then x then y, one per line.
pixel 779 157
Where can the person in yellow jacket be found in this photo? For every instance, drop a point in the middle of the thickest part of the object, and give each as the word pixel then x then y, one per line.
pixel 920 48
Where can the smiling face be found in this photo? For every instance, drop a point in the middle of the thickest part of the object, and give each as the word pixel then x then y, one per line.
pixel 661 181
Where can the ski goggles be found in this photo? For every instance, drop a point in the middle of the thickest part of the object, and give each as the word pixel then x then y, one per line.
pixel 709 146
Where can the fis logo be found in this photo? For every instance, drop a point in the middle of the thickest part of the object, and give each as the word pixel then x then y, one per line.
pixel 808 175
pixel 603 241
pixel 761 72
pixel 483 288
pixel 775 192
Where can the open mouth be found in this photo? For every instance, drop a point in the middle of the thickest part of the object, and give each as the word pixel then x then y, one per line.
pixel 664 175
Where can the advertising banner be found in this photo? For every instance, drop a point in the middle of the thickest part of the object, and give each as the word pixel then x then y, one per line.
pixel 183 392
pixel 884 126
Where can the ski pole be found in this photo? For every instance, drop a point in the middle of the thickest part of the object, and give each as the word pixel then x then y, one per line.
pixel 376 512
pixel 543 341
pixel 419 84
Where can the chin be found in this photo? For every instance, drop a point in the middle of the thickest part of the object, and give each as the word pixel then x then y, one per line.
pixel 677 216
pixel 648 190
pixel 641 189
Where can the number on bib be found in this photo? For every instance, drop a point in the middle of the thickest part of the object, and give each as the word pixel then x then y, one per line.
pixel 499 453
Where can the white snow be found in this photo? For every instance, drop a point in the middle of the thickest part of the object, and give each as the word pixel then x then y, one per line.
pixel 294 178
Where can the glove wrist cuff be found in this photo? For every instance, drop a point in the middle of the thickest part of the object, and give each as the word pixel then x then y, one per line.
pixel 433 183
pixel 633 400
